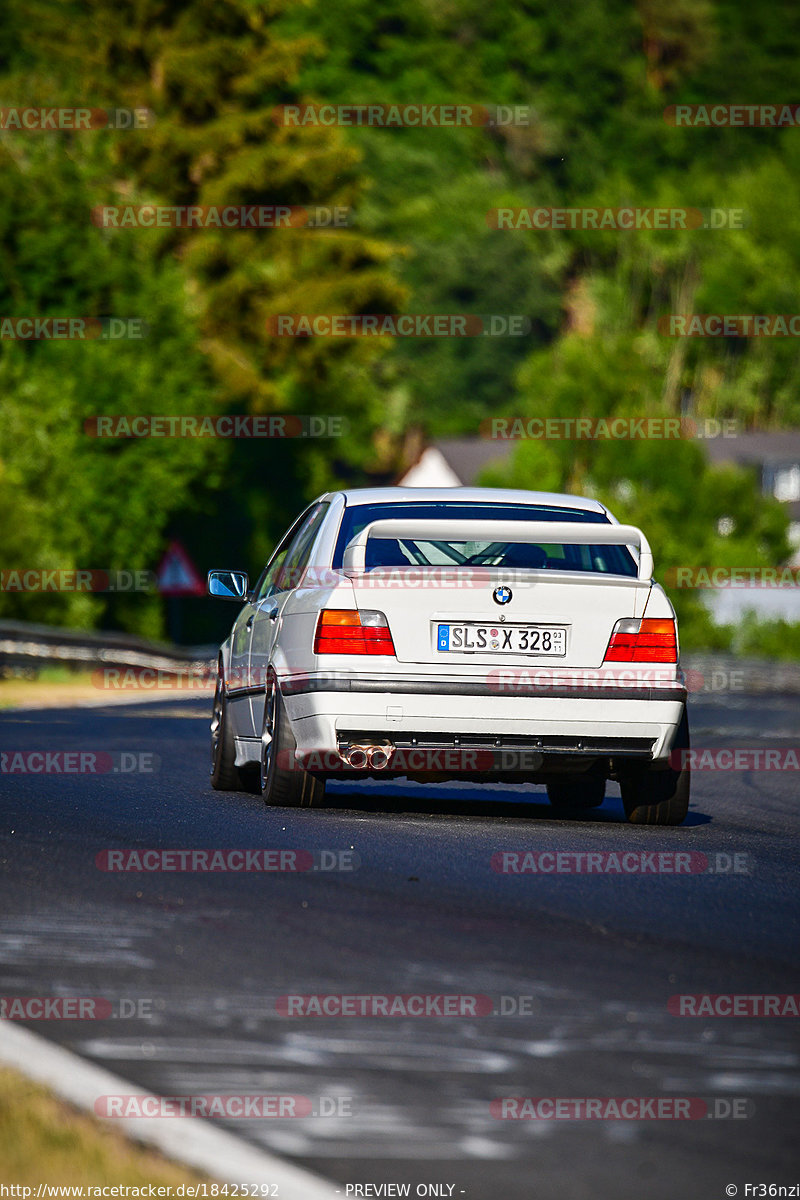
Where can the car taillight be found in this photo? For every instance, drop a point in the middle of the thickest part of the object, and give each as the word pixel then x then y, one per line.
pixel 350 631
pixel 651 639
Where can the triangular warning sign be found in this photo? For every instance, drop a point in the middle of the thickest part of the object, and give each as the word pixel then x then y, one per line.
pixel 177 575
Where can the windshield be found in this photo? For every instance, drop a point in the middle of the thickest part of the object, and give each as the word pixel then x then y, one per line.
pixel 554 556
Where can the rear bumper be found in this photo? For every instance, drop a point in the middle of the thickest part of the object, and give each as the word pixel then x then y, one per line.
pixel 553 727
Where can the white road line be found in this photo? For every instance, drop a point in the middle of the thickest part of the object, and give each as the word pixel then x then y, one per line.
pixel 188 1140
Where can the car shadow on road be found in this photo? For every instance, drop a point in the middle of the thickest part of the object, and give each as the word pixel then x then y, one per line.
pixel 469 800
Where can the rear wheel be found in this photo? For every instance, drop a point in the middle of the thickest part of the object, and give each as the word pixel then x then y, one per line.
pixel 659 796
pixel 283 782
pixel 575 792
pixel 225 775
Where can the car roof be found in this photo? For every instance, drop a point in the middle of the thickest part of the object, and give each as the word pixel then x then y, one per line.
pixel 465 495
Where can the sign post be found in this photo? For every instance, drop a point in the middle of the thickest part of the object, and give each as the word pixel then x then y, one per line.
pixel 177 576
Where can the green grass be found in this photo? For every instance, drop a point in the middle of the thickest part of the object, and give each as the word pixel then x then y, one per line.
pixel 43 1140
pixel 62 674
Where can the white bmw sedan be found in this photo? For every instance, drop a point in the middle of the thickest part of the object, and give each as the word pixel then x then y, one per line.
pixel 454 633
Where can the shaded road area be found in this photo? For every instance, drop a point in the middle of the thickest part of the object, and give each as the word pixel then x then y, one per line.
pixel 578 965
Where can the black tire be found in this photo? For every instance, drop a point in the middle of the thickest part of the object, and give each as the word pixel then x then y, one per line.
pixel 225 775
pixel 284 784
pixel 574 793
pixel 659 796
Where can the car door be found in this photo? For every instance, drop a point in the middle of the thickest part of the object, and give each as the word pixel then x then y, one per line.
pixel 237 681
pixel 282 575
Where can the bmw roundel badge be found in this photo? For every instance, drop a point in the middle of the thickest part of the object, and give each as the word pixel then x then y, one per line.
pixel 502 594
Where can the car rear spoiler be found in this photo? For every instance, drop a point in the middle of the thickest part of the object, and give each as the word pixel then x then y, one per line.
pixel 565 533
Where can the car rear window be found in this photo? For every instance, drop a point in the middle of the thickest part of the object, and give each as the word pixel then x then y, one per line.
pixel 613 560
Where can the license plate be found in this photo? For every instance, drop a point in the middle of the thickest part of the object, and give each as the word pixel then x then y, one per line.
pixel 472 638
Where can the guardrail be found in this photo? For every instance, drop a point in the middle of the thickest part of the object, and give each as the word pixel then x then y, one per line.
pixel 26 648
pixel 712 673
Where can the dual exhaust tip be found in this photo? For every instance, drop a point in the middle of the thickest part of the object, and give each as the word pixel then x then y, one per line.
pixel 367 756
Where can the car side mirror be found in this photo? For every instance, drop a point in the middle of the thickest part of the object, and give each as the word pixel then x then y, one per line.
pixel 228 585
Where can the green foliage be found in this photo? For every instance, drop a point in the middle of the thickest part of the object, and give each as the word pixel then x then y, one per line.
pixel 596 78
pixel 212 74
pixel 70 500
pixel 766 639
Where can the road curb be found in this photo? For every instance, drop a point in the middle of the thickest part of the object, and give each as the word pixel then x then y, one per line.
pixel 188 1140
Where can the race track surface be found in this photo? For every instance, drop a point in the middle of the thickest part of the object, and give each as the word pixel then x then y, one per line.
pixel 579 965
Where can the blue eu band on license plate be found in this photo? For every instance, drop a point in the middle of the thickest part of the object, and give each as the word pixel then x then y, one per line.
pixel 444 637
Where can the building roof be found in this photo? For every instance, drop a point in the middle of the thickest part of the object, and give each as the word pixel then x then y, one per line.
pixel 456 460
pixel 468 456
pixel 465 458
pixel 755 448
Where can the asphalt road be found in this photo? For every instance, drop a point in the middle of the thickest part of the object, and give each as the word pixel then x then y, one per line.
pixel 591 959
